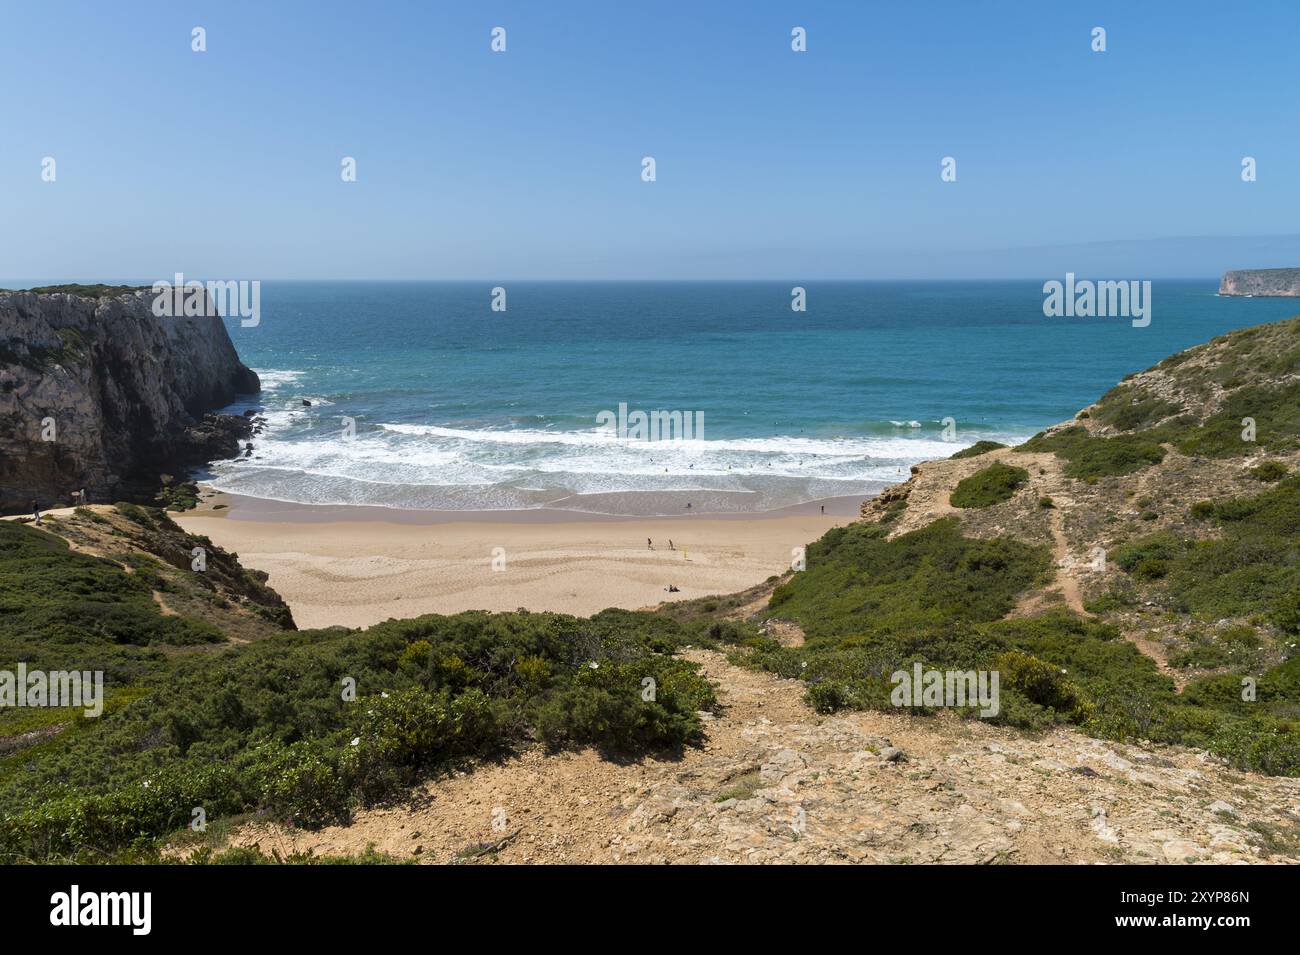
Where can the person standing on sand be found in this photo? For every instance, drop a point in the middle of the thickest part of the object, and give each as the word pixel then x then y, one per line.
pixel 36 511
pixel 823 508
pixel 649 544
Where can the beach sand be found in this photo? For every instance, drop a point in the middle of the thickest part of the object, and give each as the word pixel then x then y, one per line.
pixel 357 566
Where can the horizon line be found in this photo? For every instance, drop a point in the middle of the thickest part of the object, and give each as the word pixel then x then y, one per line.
pixel 26 284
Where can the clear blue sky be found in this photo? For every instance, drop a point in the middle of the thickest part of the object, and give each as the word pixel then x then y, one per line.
pixel 527 164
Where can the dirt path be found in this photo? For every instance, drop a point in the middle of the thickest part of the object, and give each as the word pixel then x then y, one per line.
pixel 1066 583
pixel 27 518
pixel 775 782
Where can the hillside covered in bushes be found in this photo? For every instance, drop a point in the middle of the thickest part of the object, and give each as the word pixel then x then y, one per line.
pixel 298 726
pixel 1133 574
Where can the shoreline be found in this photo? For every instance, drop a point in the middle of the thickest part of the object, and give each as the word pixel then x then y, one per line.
pixel 356 566
pixel 241 507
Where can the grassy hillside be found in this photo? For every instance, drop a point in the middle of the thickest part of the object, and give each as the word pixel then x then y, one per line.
pixel 303 726
pixel 1198 512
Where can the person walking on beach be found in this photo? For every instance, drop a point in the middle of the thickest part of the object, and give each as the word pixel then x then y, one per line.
pixel 649 544
pixel 36 511
pixel 823 508
pixel 670 544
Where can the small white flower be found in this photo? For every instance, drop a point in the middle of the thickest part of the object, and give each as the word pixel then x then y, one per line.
pixel 383 694
pixel 356 741
pixel 594 665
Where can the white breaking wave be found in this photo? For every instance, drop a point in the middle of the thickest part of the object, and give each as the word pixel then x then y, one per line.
pixel 306 455
pixel 781 444
pixel 273 379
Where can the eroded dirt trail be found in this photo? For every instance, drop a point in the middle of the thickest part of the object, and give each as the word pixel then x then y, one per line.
pixel 776 782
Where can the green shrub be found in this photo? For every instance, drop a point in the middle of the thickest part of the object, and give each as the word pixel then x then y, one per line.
pixel 1269 471
pixel 991 485
pixel 264 726
pixel 1089 458
pixel 1128 408
pixel 1149 558
pixel 1253 567
pixel 976 449
pixel 934 577
pixel 1041 683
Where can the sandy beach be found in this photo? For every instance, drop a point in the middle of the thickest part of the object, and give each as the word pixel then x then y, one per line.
pixel 359 566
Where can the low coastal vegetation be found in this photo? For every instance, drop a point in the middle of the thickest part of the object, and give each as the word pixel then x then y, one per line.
pixel 871 606
pixel 85 291
pixel 988 486
pixel 215 703
pixel 1089 458
pixel 1220 575
pixel 976 449
pixel 299 726
pixel 1233 396
pixel 177 495
pixel 1250 567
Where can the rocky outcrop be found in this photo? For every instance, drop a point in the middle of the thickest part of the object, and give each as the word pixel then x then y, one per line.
pixel 96 392
pixel 1279 282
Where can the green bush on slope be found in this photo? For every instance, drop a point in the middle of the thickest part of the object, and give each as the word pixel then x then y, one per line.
pixel 1253 566
pixel 976 449
pixel 1088 457
pixel 266 726
pixel 871 607
pixel 988 486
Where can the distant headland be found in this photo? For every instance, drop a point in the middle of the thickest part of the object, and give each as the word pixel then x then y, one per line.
pixel 1270 282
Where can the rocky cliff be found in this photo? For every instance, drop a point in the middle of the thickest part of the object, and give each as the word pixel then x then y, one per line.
pixel 98 393
pixel 1280 282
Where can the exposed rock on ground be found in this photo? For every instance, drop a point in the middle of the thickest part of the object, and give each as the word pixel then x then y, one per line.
pixel 775 782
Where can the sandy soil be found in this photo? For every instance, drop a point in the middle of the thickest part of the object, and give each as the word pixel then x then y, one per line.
pixel 357 568
pixel 776 783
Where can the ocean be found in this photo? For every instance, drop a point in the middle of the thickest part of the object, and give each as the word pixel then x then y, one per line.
pixel 421 396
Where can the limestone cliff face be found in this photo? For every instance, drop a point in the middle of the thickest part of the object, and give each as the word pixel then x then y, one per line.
pixel 1280 282
pixel 98 393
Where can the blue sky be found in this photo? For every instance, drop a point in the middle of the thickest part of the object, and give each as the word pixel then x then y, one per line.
pixel 770 163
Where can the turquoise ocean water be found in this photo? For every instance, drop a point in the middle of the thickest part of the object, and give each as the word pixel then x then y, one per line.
pixel 457 406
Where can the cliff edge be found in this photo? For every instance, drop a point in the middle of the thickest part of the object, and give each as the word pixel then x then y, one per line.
pixel 1272 282
pixel 96 392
